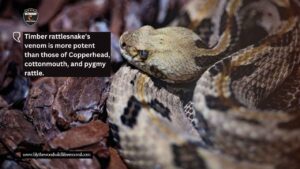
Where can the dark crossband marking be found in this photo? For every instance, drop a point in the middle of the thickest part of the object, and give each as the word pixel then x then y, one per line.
pixel 220 66
pixel 215 103
pixel 157 72
pixel 160 108
pixel 242 71
pixel 256 92
pixel 291 125
pixel 250 121
pixel 200 44
pixel 205 29
pixel 282 40
pixel 186 157
pixel 115 133
pixel 129 117
pixel 284 15
pixel 184 20
pixel 224 23
pixel 206 61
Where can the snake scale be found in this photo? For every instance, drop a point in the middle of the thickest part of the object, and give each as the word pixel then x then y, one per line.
pixel 226 97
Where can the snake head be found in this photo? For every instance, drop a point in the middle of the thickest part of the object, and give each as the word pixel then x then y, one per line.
pixel 133 45
pixel 165 53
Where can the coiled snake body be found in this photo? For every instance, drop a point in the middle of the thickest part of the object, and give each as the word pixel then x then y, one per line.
pixel 193 102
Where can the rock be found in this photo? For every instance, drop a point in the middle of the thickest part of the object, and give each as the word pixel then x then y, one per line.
pixel 9 164
pixel 17 132
pixel 115 160
pixel 79 98
pixel 66 163
pixel 3 103
pixel 38 106
pixel 87 134
pixel 69 19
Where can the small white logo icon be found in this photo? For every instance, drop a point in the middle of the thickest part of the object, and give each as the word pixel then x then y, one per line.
pixel 30 16
pixel 17 36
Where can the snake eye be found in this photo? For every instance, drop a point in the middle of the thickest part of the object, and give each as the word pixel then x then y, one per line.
pixel 143 54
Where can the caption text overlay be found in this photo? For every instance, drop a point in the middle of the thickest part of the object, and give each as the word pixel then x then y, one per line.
pixel 85 54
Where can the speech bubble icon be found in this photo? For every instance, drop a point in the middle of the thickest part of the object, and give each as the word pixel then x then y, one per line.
pixel 17 36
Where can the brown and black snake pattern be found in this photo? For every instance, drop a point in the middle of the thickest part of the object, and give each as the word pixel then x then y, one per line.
pixel 228 99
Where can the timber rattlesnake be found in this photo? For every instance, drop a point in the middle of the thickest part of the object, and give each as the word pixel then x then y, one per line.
pixel 244 112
